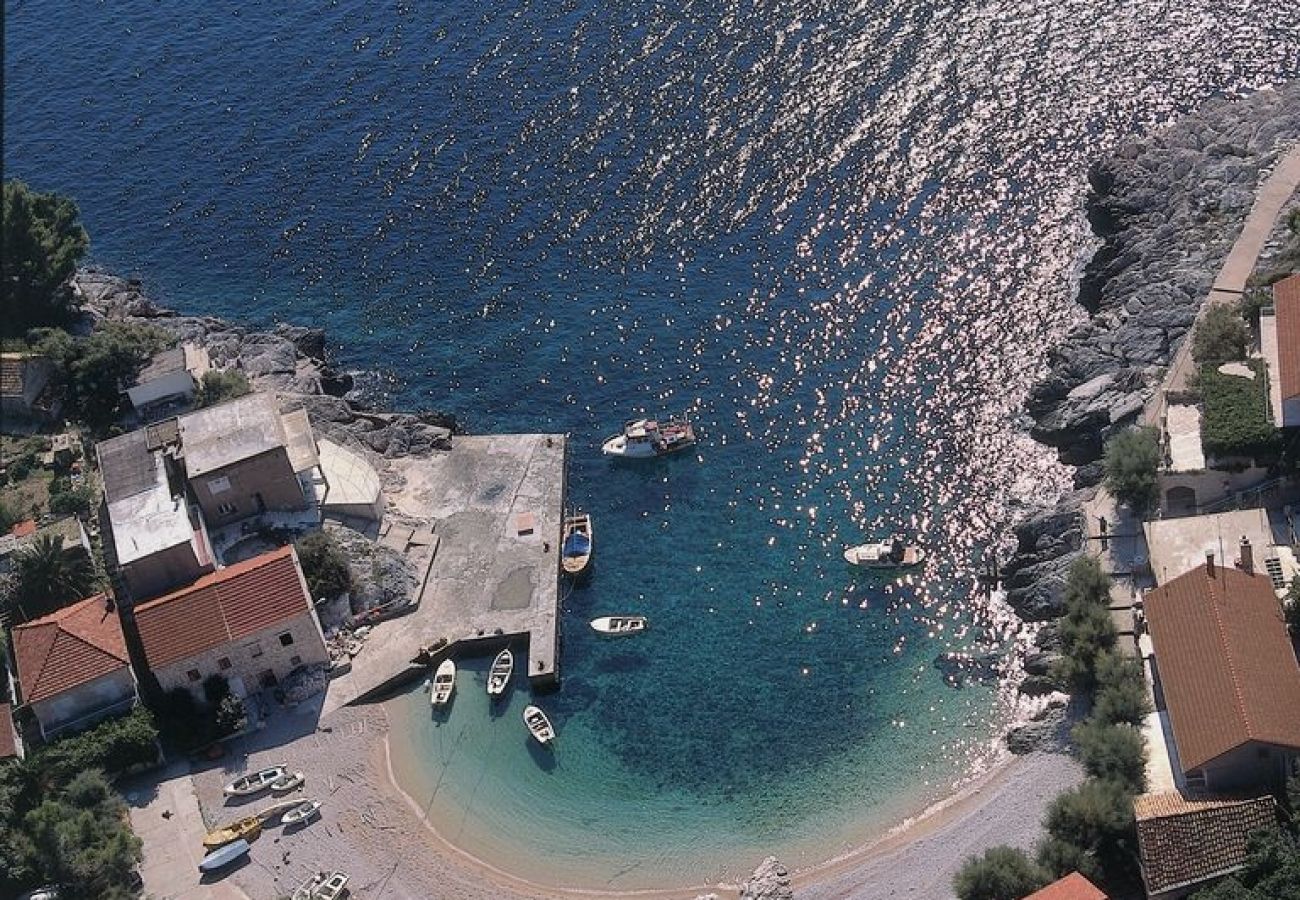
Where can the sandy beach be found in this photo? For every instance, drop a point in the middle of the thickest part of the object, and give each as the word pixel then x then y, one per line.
pixel 371 829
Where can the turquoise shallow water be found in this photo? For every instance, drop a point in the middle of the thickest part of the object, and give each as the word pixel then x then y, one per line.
pixel 842 237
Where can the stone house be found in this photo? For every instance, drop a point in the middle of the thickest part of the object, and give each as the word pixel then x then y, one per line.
pixel 26 391
pixel 72 666
pixel 252 622
pixel 1226 678
pixel 170 377
pixel 1186 844
pixel 1279 340
pixel 244 458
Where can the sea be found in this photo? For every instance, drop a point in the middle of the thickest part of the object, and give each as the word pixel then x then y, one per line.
pixel 840 236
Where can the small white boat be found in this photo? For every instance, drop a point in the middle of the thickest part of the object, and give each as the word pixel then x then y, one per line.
pixel 647 438
pixel 538 725
pixel 224 856
pixel 287 782
pixel 620 624
pixel 301 813
pixel 307 890
pixel 891 554
pixel 333 887
pixel 444 682
pixel 499 675
pixel 256 782
pixel 576 545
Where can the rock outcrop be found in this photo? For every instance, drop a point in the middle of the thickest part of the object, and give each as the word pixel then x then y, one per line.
pixel 770 881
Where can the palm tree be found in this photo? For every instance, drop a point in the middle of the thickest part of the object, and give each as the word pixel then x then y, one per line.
pixel 46 578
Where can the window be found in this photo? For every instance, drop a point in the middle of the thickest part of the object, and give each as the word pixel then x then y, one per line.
pixel 295 660
pixel 225 509
pixel 286 639
pixel 254 649
pixel 194 675
pixel 224 662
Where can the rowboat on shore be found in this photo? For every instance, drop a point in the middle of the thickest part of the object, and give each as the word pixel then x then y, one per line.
pixel 255 782
pixel 620 625
pixel 444 682
pixel 576 544
pixel 499 675
pixel 244 829
pixel 287 782
pixel 225 856
pixel 301 813
pixel 321 886
pixel 538 725
pixel 648 438
pixel 891 554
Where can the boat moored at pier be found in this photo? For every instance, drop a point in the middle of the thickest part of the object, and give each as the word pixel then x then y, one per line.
pixel 499 675
pixel 576 544
pixel 539 726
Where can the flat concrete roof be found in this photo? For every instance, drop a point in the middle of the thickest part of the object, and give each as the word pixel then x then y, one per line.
pixel 488 582
pixel 299 440
pixel 1179 545
pixel 149 521
pixel 228 433
pixel 352 480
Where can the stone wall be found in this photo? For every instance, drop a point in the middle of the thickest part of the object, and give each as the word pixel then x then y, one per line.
pixel 250 657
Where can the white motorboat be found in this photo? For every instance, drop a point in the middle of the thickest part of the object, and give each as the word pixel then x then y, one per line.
pixel 301 813
pixel 576 544
pixel 287 782
pixel 499 675
pixel 647 438
pixel 620 624
pixel 333 887
pixel 444 682
pixel 891 554
pixel 538 725
pixel 256 782
pixel 224 856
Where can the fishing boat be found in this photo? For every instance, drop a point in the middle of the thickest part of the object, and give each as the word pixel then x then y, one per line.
pixel 538 725
pixel 245 829
pixel 894 553
pixel 499 675
pixel 301 813
pixel 287 782
pixel 620 624
pixel 576 546
pixel 223 857
pixel 256 782
pixel 307 890
pixel 444 682
pixel 333 887
pixel 647 438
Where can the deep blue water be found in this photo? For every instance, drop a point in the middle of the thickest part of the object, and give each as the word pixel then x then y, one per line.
pixel 840 237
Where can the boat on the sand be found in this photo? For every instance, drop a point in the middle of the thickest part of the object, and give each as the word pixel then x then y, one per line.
pixel 444 682
pixel 224 856
pixel 648 438
pixel 499 675
pixel 620 625
pixel 244 829
pixel 255 782
pixel 321 886
pixel 301 813
pixel 894 553
pixel 287 782
pixel 576 544
pixel 538 725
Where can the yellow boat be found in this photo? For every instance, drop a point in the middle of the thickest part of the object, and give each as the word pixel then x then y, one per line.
pixel 248 829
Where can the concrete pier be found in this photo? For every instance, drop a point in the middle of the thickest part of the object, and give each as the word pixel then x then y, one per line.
pixel 495 504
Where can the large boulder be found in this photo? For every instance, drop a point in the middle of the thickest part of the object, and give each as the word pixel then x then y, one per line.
pixel 770 881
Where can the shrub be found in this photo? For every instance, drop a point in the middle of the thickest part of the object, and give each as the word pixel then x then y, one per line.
pixel 1086 632
pixel 230 716
pixel 1132 461
pixel 1097 817
pixel 114 746
pixel 1059 858
pixel 324 565
pixel 1121 696
pixel 1114 752
pixel 9 516
pixel 94 368
pixel 1087 583
pixel 1002 873
pixel 219 386
pixel 68 500
pixel 1221 336
pixel 1235 415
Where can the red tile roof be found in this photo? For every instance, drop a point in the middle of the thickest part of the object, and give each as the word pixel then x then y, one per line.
pixel 25 528
pixel 8 748
pixel 1225 662
pixel 1185 842
pixel 227 605
pixel 1072 887
pixel 68 648
pixel 1286 307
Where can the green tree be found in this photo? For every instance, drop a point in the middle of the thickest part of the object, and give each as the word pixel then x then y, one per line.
pixel 1086 632
pixel 1097 817
pixel 219 386
pixel 46 578
pixel 1002 873
pixel 1087 583
pixel 1132 462
pixel 1114 752
pixel 97 368
pixel 115 745
pixel 1221 336
pixel 324 565
pixel 1121 695
pixel 1059 858
pixel 42 244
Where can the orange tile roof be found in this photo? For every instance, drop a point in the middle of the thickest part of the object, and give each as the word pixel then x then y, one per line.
pixel 1072 887
pixel 1225 662
pixel 25 528
pixel 1185 842
pixel 8 747
pixel 1286 307
pixel 69 648
pixel 227 605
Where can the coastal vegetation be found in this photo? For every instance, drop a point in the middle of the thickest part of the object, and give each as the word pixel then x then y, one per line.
pixel 1235 416
pixel 1221 336
pixel 219 386
pixel 324 565
pixel 42 243
pixel 1132 461
pixel 1002 872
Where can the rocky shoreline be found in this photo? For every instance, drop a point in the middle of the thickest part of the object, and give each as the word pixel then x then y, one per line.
pixel 1166 208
